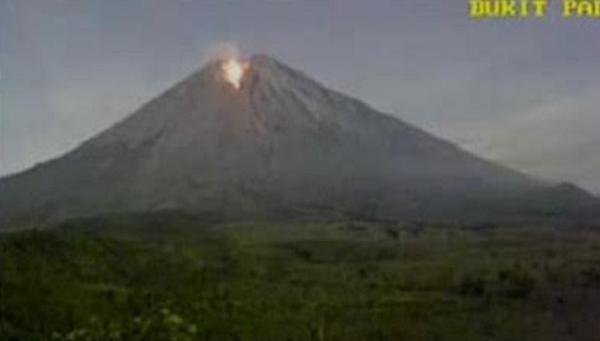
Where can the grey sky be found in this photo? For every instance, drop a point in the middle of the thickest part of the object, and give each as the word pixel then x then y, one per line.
pixel 525 92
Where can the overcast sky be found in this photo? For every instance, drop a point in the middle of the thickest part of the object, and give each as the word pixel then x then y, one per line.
pixel 526 92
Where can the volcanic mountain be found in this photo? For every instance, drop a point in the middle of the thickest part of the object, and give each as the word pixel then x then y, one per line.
pixel 279 146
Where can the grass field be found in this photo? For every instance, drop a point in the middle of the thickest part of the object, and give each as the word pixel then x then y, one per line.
pixel 178 279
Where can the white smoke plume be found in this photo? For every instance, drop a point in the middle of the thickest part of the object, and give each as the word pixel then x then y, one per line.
pixel 224 50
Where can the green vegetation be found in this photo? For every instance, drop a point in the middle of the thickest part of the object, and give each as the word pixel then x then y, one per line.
pixel 175 279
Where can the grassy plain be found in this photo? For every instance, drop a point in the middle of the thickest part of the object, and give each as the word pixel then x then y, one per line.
pixel 180 279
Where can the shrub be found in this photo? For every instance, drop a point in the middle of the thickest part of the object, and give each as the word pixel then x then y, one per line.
pixel 471 286
pixel 516 283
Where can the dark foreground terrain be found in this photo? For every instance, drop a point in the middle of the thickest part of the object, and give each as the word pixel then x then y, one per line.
pixel 176 279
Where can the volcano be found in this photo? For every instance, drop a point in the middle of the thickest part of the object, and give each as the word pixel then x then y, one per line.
pixel 277 145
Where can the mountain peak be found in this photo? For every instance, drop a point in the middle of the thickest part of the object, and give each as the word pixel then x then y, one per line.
pixel 266 71
pixel 263 64
pixel 259 60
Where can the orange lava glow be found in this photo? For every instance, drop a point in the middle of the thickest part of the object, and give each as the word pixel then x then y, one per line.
pixel 233 72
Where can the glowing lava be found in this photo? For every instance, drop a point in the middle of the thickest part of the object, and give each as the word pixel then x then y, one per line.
pixel 233 71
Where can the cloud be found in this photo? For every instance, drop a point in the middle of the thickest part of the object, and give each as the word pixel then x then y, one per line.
pixel 557 139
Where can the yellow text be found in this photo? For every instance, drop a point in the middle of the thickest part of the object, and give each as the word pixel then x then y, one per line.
pixel 482 9
pixel 581 8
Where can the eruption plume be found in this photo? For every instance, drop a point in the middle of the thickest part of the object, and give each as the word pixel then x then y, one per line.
pixel 233 72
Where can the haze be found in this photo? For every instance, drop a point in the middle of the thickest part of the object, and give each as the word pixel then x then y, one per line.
pixel 520 92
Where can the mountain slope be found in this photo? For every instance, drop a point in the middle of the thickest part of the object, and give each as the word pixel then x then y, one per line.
pixel 280 146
